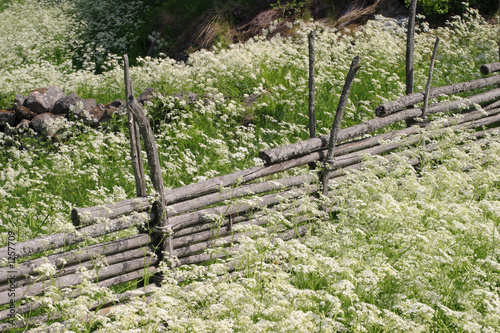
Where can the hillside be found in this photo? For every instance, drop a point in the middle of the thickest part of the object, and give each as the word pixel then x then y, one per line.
pixel 183 27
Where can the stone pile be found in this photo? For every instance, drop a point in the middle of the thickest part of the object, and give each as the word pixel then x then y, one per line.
pixel 47 110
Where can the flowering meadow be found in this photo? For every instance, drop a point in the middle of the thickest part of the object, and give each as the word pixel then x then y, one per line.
pixel 405 250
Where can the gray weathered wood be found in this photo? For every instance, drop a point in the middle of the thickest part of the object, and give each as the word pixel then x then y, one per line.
pixel 76 256
pixel 490 68
pixel 135 143
pixel 429 79
pixel 203 257
pixel 312 87
pixel 194 238
pixel 403 102
pixel 410 46
pixel 58 240
pixel 182 221
pixel 33 306
pixel 356 157
pixel 89 264
pixel 290 206
pixel 279 154
pixel 344 97
pixel 140 204
pixel 154 167
pixel 72 279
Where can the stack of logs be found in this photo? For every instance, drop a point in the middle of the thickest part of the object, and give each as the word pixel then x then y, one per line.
pixel 207 214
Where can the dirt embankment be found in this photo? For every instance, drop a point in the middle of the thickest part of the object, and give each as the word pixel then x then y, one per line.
pixel 237 23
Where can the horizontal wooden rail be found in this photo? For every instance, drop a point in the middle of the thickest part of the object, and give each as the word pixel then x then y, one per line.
pixel 72 279
pixel 283 153
pixel 93 214
pixel 412 99
pixel 50 242
pixel 75 256
pixel 490 68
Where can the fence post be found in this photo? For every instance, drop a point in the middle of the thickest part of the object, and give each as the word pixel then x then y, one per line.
pixel 159 209
pixel 135 140
pixel 410 50
pixel 336 122
pixel 429 79
pixel 312 87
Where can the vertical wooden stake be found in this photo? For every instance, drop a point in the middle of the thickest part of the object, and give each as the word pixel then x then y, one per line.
pixel 410 46
pixel 429 79
pixel 336 122
pixel 160 212
pixel 410 50
pixel 135 141
pixel 312 87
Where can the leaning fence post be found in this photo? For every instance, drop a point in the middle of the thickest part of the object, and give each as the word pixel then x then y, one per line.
pixel 429 79
pixel 336 122
pixel 159 211
pixel 135 140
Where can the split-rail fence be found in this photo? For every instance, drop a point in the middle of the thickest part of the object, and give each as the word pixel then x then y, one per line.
pixel 179 223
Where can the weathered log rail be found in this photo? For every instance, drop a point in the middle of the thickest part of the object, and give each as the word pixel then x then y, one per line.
pixel 217 212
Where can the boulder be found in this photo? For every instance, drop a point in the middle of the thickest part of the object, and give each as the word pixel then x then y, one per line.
pixel 189 97
pixel 68 102
pixel 47 124
pixel 42 100
pixel 19 101
pixel 7 117
pixel 23 112
pixel 147 95
pixel 23 125
pixel 117 106
pixel 87 104
pixel 93 115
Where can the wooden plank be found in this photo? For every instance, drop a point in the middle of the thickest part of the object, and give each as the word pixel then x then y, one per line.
pixel 203 257
pixel 49 242
pixel 75 256
pixel 72 279
pixel 283 153
pixel 410 47
pixel 490 68
pixel 135 141
pixel 89 264
pixel 339 114
pixel 312 86
pixel 182 221
pixel 411 99
pixel 139 204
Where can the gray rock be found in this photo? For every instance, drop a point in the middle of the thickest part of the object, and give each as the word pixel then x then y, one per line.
pixel 19 101
pixel 68 102
pixel 47 124
pixel 23 112
pixel 118 106
pixel 7 117
pixel 42 100
pixel 189 97
pixel 147 95
pixel 87 104
pixel 23 125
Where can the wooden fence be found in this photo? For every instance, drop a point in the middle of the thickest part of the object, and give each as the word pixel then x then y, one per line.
pixel 184 222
